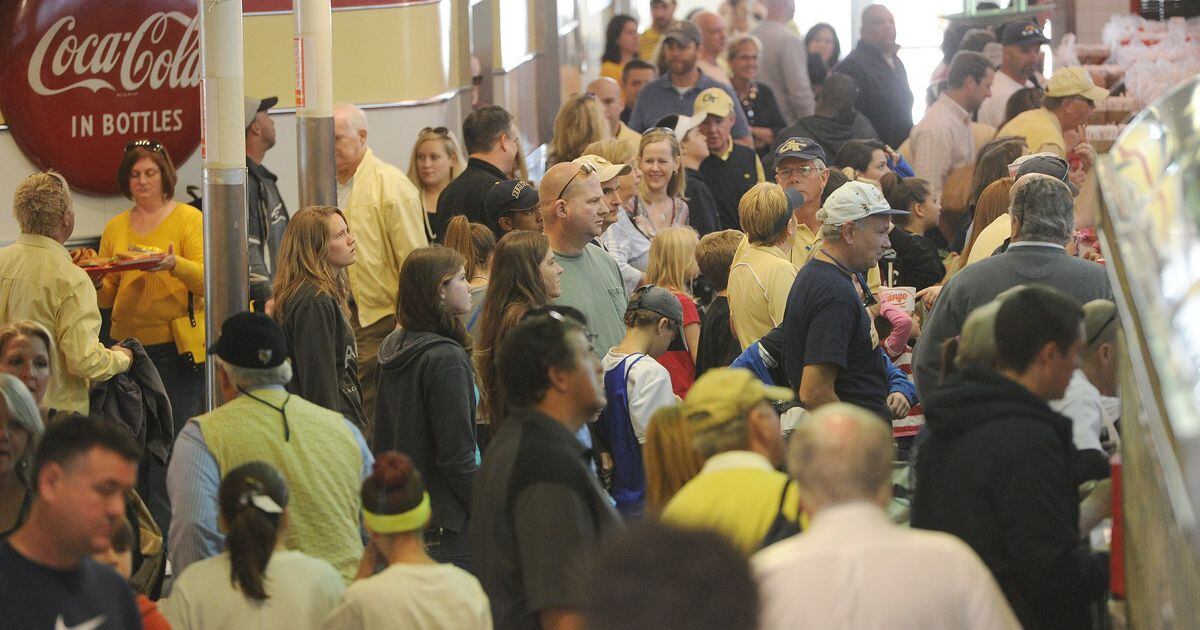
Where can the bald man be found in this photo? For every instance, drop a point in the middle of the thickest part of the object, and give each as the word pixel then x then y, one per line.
pixel 883 93
pixel 572 202
pixel 608 92
pixel 714 35
pixel 843 571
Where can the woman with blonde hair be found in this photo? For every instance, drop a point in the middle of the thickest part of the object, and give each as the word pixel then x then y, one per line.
pixel 658 205
pixel 670 460
pixel 426 398
pixel 526 276
pixel 474 242
pixel 312 305
pixel 673 267
pixel 991 225
pixel 580 122
pixel 436 160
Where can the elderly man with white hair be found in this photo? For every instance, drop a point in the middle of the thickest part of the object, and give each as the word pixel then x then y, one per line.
pixel 1042 213
pixel 383 209
pixel 321 453
pixel 843 571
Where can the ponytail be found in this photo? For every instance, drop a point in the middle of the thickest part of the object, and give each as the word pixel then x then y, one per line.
pixel 252 498
pixel 903 193
pixel 473 241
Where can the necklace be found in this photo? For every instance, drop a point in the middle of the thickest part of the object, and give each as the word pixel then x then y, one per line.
pixel 749 98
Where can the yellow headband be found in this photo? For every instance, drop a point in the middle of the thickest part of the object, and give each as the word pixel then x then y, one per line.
pixel 411 520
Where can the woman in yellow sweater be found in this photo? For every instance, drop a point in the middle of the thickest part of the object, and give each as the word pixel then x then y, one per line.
pixel 144 302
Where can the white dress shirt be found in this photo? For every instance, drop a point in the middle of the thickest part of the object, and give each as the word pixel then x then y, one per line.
pixel 992 111
pixel 941 142
pixel 854 569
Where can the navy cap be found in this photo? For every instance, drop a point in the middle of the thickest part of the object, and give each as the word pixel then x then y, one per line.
pixel 251 340
pixel 510 195
pixel 798 147
pixel 1022 33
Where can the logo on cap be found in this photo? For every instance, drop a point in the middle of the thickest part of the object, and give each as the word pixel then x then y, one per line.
pixel 791 145
pixel 264 355
pixel 521 185
pixel 1030 29
pixel 708 98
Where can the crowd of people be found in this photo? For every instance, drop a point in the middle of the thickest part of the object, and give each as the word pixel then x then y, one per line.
pixel 655 388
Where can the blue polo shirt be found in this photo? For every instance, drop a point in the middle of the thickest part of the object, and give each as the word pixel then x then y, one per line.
pixel 659 98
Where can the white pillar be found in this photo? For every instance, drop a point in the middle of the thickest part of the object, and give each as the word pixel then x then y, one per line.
pixel 314 102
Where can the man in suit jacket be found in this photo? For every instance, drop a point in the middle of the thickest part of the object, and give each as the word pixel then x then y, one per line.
pixel 1043 216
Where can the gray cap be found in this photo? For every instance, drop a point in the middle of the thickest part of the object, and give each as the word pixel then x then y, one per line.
pixel 654 298
pixel 1046 164
pixel 252 106
pixel 682 31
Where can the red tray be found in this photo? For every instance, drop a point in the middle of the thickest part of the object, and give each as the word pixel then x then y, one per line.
pixel 125 265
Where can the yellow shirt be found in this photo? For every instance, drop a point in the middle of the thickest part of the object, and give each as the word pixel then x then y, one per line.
pixel 647 43
pixel 736 495
pixel 759 282
pixel 145 302
pixel 38 282
pixel 990 238
pixel 612 70
pixel 1041 130
pixel 384 210
pixel 805 244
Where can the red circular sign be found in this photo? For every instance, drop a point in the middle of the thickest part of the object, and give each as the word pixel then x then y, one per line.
pixel 82 78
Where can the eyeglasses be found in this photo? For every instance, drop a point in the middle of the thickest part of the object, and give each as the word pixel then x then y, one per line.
pixel 798 172
pixel 585 170
pixel 441 131
pixel 145 143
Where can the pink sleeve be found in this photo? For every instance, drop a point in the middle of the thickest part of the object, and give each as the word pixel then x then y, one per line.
pixel 901 322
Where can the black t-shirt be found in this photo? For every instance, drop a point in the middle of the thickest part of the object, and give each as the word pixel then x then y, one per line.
pixel 825 322
pixel 918 262
pixel 718 347
pixel 36 597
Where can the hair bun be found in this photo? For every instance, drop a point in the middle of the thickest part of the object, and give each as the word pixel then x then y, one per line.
pixel 392 469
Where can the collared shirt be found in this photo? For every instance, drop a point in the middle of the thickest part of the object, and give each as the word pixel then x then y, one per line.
pixel 192 483
pixel 38 282
pixel 850 569
pixel 941 142
pixel 758 167
pixel 659 98
pixel 759 281
pixel 805 244
pixel 994 107
pixel 1040 128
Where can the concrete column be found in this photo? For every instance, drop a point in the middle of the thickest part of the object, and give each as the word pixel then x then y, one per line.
pixel 314 103
pixel 223 150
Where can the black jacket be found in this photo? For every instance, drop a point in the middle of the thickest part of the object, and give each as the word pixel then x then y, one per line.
pixel 425 408
pixel 996 472
pixel 702 207
pixel 918 262
pixel 883 93
pixel 465 195
pixel 324 354
pixel 830 133
pixel 729 179
pixel 138 401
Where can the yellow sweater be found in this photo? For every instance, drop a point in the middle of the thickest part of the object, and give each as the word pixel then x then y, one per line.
pixel 144 302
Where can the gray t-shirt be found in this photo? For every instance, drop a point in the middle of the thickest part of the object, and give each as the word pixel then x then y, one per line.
pixel 592 284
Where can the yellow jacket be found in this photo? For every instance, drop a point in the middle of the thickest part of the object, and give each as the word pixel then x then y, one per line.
pixel 384 211
pixel 145 302
pixel 38 282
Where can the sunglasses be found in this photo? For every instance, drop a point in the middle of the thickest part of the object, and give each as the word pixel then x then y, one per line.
pixel 145 143
pixel 585 170
pixel 441 131
pixel 667 130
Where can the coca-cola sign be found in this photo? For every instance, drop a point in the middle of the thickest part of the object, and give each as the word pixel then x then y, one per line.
pixel 82 78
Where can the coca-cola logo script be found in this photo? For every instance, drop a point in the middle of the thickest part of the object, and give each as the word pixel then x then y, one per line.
pixel 82 78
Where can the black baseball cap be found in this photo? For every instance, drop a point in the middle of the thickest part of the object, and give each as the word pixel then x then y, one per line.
pixel 251 340
pixel 1022 33
pixel 799 147
pixel 510 195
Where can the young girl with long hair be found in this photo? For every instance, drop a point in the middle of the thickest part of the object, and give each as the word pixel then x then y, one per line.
pixel 255 582
pixel 525 277
pixel 673 266
pixel 474 242
pixel 312 295
pixel 426 401
pixel 413 591
pixel 658 205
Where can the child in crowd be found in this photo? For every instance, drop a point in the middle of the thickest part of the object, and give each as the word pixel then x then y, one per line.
pixel 636 386
pixel 119 557
pixel 718 347
pixel 474 242
pixel 271 587
pixel 918 262
pixel 413 591
pixel 673 267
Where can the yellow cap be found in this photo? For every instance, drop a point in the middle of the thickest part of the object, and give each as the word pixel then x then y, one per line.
pixel 713 101
pixel 605 170
pixel 723 395
pixel 1075 81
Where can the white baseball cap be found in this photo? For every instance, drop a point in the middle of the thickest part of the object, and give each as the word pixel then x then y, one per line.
pixel 853 201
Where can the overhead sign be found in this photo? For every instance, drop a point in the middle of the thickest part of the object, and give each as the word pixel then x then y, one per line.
pixel 82 78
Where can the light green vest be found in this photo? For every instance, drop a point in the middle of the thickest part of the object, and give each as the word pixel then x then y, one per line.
pixel 320 462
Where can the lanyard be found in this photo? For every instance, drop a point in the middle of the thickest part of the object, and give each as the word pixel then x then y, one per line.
pixel 868 297
pixel 287 432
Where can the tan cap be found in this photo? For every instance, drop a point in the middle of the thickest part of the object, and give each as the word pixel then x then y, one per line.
pixel 1075 81
pixel 723 395
pixel 605 170
pixel 713 101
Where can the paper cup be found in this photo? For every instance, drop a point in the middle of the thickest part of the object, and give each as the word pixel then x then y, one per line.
pixel 904 297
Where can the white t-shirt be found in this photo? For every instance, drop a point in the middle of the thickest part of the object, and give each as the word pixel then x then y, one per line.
pixel 1085 407
pixel 648 386
pixel 414 597
pixel 301 589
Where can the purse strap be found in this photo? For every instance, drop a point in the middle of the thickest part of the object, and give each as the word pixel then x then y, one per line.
pixel 192 309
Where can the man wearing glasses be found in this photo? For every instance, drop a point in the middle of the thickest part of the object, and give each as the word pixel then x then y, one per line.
pixel 572 204
pixel 1070 98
